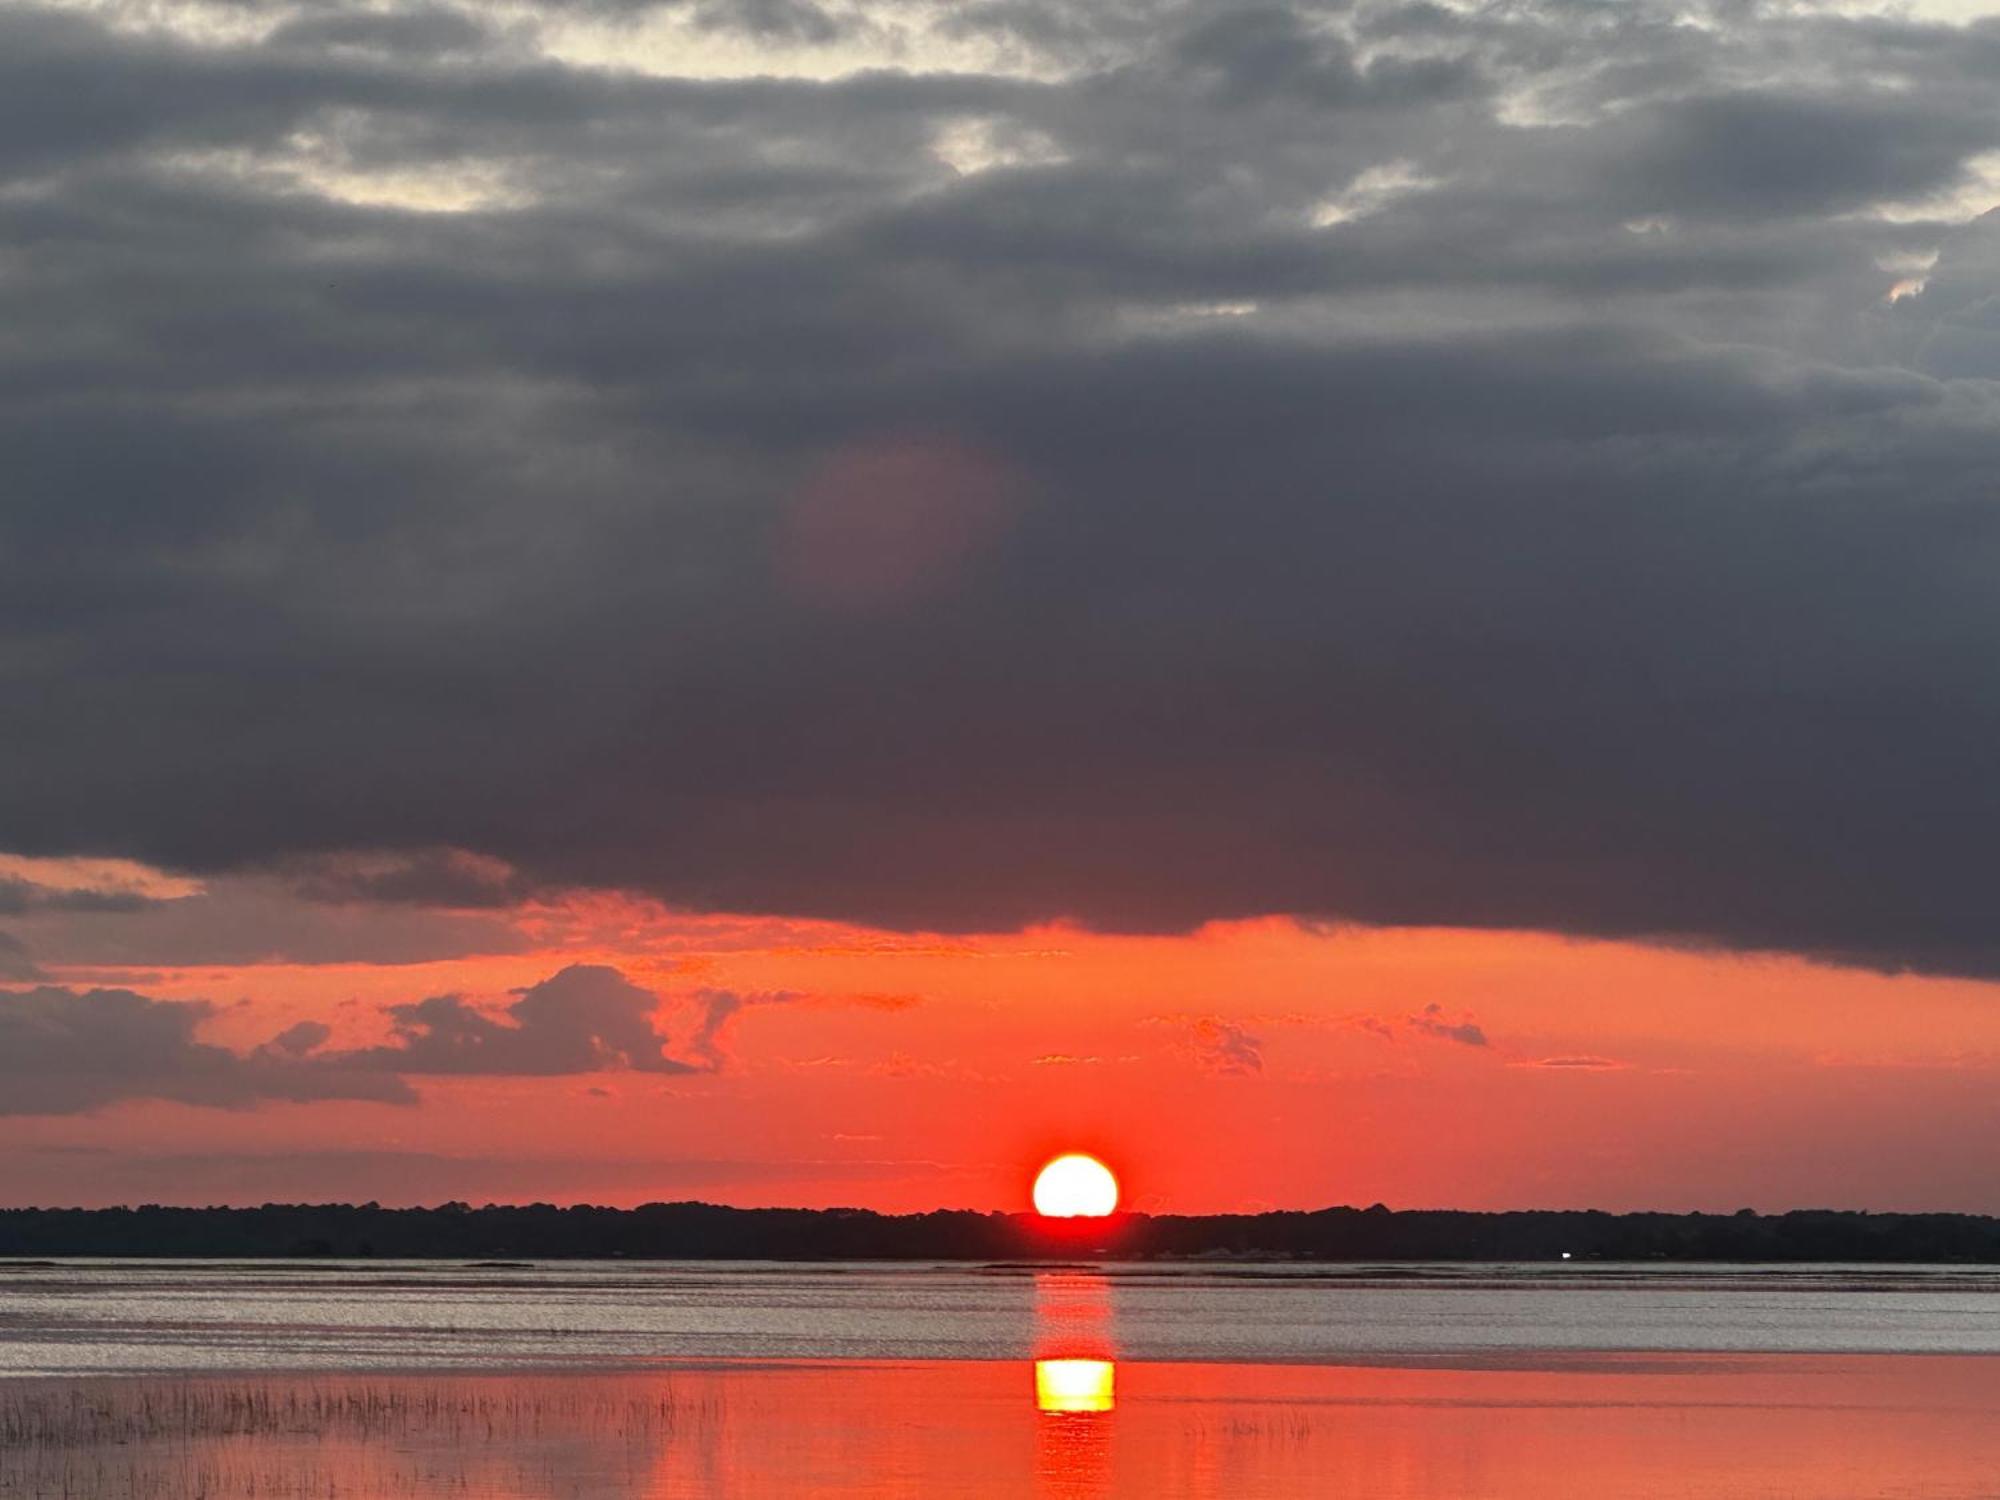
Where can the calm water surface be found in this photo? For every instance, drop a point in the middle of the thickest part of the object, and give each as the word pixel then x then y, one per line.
pixel 125 1380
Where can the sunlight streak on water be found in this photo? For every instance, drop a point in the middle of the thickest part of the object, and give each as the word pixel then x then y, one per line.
pixel 1075 1385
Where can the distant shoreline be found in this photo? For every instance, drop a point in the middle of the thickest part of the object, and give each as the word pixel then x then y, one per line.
pixel 701 1231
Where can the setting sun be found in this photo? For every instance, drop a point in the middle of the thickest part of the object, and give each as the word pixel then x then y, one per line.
pixel 1075 1186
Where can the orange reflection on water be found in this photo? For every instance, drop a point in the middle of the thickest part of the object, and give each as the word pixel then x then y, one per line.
pixel 1634 1427
pixel 1076 1388
pixel 1073 1316
pixel 1075 1385
pixel 1646 1427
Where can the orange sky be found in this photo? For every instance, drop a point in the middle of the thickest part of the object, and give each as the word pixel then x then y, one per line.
pixel 1238 1067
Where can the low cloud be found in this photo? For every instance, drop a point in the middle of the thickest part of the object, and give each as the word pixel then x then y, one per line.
pixel 15 965
pixel 587 1018
pixel 19 897
pixel 297 1041
pixel 65 1051
pixel 29 886
pixel 869 1000
pixel 386 910
pixel 441 877
pixel 1583 1064
pixel 1430 1021
pixel 719 1009
pixel 1227 1049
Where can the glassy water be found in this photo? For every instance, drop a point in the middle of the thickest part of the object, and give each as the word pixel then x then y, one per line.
pixel 120 1381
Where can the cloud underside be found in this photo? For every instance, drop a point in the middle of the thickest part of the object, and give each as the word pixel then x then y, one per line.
pixel 64 1051
pixel 1384 462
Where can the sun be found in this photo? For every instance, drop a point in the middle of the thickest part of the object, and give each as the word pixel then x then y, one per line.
pixel 1075 1186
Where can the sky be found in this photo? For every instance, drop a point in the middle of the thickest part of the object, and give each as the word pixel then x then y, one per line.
pixel 810 603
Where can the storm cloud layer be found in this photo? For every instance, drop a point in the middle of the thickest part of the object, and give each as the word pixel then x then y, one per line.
pixel 1522 465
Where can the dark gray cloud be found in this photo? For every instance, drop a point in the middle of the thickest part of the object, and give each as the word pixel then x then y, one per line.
pixel 719 1009
pixel 16 967
pixel 64 1052
pixel 1373 461
pixel 584 1019
pixel 780 20
pixel 1432 1022
pixel 19 897
pixel 445 878
pixel 425 31
pixel 357 910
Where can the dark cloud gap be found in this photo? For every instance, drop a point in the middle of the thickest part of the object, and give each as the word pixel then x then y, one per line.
pixel 1570 537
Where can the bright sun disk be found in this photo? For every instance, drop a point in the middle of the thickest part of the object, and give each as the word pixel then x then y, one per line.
pixel 1075 1186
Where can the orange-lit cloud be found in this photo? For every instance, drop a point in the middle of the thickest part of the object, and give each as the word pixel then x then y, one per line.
pixel 765 1061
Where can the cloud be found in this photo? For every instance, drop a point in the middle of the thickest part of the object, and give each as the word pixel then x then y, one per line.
pixel 1579 543
pixel 1223 1047
pixel 450 878
pixel 1584 1063
pixel 15 964
pixel 391 912
pixel 66 1051
pixel 586 1018
pixel 18 897
pixel 867 1000
pixel 297 1040
pixel 719 1009
pixel 781 20
pixel 1431 1022
pixel 30 886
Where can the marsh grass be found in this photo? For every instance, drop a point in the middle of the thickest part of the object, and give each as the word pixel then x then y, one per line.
pixel 333 1438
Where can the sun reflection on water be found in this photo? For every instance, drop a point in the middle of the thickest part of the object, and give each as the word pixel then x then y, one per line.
pixel 1076 1392
pixel 1075 1385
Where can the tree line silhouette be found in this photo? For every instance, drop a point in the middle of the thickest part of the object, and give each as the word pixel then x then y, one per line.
pixel 704 1231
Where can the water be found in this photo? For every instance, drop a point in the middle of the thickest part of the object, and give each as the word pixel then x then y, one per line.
pixel 110 1317
pixel 172 1381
